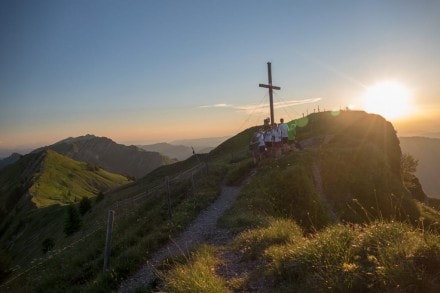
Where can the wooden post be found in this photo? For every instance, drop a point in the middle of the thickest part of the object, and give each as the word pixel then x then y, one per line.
pixel 271 88
pixel 167 188
pixel 108 238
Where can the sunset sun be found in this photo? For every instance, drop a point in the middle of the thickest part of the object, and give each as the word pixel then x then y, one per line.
pixel 389 99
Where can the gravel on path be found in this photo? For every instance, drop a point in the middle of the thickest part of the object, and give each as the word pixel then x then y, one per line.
pixel 200 230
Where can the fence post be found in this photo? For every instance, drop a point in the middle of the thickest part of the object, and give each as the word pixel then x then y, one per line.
pixel 108 239
pixel 167 188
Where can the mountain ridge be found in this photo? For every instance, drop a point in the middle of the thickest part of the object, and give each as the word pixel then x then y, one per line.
pixel 117 158
pixel 40 184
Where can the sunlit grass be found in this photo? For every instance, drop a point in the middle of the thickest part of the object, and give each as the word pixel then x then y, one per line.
pixel 63 181
pixel 379 256
pixel 197 274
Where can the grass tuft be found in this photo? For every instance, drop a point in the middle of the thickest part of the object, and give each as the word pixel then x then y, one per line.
pixel 197 274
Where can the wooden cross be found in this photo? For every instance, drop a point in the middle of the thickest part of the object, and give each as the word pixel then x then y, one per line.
pixel 271 88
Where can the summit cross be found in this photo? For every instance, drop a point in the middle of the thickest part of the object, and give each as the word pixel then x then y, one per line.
pixel 271 88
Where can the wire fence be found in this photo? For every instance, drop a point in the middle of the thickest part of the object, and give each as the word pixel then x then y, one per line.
pixel 123 207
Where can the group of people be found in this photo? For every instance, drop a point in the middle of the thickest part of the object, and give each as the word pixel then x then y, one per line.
pixel 273 140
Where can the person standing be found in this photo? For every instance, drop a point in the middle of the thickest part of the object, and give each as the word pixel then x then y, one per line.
pixel 277 144
pixel 261 144
pixel 268 138
pixel 292 136
pixel 284 132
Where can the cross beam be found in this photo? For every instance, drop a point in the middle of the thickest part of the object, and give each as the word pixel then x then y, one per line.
pixel 271 88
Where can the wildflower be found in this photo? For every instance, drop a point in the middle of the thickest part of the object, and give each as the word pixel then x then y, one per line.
pixel 349 267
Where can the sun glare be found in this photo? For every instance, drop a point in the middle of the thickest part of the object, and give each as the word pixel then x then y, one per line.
pixel 389 99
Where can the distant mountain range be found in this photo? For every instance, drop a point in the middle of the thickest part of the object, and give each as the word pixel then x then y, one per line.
pixel 183 149
pixel 116 158
pixel 175 150
pixel 427 152
pixel 9 160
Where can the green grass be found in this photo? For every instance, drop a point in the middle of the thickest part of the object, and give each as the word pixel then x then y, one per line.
pixel 281 188
pixel 196 274
pixel 139 230
pixel 63 181
pixel 253 242
pixel 386 241
pixel 377 257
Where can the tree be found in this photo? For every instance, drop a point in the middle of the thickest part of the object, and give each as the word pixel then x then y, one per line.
pixel 73 220
pixel 47 245
pixel 408 166
pixel 5 265
pixel 85 205
pixel 100 196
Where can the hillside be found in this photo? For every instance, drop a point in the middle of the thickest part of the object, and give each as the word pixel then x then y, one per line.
pixel 183 149
pixel 178 152
pixel 334 215
pixel 117 158
pixel 9 160
pixel 427 152
pixel 34 192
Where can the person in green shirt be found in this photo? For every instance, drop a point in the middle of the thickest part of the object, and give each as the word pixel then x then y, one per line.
pixel 291 131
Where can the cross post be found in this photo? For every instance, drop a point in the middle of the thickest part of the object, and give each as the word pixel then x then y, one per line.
pixel 271 88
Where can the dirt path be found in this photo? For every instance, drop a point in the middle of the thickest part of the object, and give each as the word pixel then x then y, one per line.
pixel 202 229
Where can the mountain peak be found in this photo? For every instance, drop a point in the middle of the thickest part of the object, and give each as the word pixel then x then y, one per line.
pixel 77 139
pixel 102 151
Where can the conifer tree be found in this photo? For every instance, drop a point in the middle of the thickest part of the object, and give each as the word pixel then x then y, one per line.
pixel 84 205
pixel 73 220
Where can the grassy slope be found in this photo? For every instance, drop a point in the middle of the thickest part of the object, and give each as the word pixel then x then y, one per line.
pixel 63 181
pixel 54 181
pixel 140 227
pixel 281 217
pixel 283 225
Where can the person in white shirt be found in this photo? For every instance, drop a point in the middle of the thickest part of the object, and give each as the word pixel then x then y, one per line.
pixel 268 138
pixel 261 144
pixel 276 134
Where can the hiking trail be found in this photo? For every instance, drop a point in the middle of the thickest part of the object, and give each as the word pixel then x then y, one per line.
pixel 202 230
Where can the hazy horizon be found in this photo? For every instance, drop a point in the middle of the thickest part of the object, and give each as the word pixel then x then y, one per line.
pixel 24 149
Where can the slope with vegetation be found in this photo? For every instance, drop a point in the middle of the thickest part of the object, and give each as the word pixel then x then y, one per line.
pixel 335 216
pixel 34 195
pixel 286 238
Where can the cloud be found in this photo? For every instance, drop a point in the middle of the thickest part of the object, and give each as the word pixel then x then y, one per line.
pixel 217 106
pixel 252 108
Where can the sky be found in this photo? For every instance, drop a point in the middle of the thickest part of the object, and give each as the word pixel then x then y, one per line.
pixel 156 71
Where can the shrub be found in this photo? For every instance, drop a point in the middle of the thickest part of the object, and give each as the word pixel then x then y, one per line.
pixel 47 245
pixel 72 222
pixel 84 205
pixel 100 197
pixel 5 265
